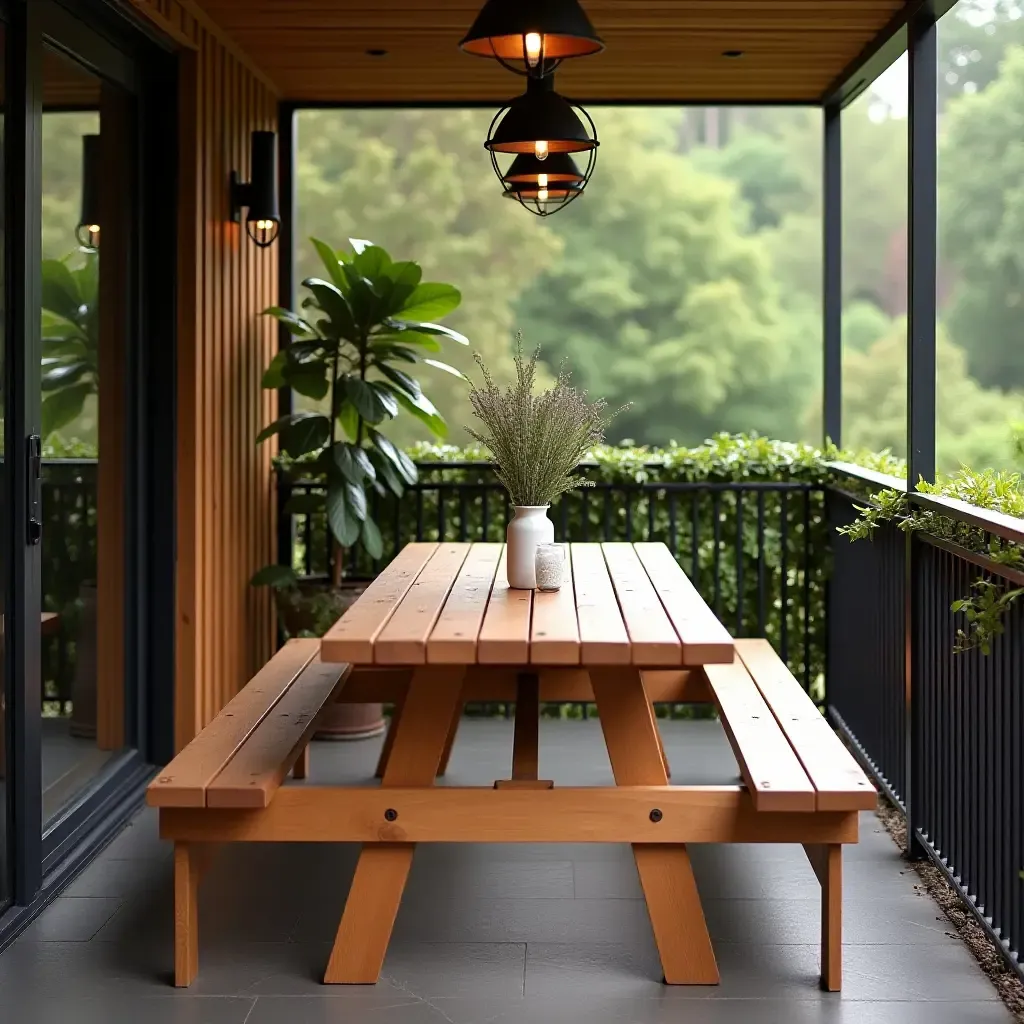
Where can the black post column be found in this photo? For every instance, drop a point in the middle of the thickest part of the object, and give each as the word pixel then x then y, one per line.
pixel 832 292
pixel 921 301
pixel 286 294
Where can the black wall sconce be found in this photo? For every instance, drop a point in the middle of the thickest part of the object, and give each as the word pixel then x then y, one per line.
pixel 258 195
pixel 88 230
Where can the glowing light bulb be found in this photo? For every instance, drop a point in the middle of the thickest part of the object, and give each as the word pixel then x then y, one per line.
pixel 533 44
pixel 542 196
pixel 542 180
pixel 93 229
pixel 263 225
pixel 540 150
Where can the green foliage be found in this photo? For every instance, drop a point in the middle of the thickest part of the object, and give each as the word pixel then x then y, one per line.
pixel 999 492
pixel 982 201
pixel 536 441
pixel 70 337
pixel 370 314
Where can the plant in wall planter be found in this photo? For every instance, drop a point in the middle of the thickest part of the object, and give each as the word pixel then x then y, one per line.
pixel 536 441
pixel 353 349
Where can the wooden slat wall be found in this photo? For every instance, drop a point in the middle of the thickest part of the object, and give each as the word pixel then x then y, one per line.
pixel 226 528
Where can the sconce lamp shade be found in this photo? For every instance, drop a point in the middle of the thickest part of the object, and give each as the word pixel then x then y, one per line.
pixel 540 122
pixel 544 201
pixel 259 195
pixel 557 169
pixel 88 230
pixel 532 36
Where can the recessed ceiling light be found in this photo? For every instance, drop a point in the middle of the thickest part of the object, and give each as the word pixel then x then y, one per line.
pixel 733 54
pixel 376 53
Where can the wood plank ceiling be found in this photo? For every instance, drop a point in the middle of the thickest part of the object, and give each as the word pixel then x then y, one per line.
pixel 321 50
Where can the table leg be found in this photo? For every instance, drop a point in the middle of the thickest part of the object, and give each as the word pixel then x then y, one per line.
pixel 677 918
pixel 453 730
pixel 369 917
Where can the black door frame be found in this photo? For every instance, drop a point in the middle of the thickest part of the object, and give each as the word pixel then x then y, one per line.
pixel 95 35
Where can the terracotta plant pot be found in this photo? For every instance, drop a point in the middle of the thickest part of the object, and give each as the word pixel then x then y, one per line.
pixel 310 609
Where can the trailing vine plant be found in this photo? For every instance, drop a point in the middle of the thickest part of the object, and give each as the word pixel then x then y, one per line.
pixel 984 608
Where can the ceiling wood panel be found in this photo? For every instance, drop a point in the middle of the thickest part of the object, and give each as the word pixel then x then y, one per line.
pixel 656 49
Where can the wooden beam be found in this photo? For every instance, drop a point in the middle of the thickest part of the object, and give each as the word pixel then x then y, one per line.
pixel 689 814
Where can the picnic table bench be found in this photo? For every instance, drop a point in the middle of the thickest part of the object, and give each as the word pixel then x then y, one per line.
pixel 440 627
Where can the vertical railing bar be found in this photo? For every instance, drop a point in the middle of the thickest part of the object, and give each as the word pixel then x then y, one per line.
pixel 760 565
pixel 673 526
pixel 784 575
pixel 807 591
pixel 717 513
pixel 739 561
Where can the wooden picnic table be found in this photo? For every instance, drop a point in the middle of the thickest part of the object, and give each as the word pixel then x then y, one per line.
pixel 626 627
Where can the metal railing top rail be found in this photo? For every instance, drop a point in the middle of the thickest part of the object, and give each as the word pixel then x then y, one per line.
pixel 999 524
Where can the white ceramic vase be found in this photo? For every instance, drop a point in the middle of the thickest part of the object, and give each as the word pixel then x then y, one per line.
pixel 529 528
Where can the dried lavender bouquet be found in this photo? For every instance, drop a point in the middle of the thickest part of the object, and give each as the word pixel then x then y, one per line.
pixel 536 441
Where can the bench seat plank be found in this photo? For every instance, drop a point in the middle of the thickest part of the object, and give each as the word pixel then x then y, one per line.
pixel 184 782
pixel 652 636
pixel 255 773
pixel 505 633
pixel 839 780
pixel 770 768
pixel 705 640
pixel 352 637
pixel 454 637
pixel 403 641
pixel 602 631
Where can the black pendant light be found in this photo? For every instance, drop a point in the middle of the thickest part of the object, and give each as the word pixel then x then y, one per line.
pixel 88 230
pixel 532 37
pixel 544 186
pixel 258 195
pixel 541 129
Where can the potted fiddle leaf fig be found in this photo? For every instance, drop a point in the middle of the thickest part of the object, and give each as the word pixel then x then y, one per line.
pixel 363 330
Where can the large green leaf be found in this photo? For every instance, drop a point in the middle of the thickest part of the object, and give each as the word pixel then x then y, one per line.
pixel 331 263
pixel 60 374
pixel 366 400
pixel 87 279
pixel 387 472
pixel 438 330
pixel 296 325
pixel 372 263
pixel 404 277
pixel 273 377
pixel 335 305
pixel 305 433
pixel 385 397
pixel 410 385
pixel 348 415
pixel 56 326
pixel 309 379
pixel 418 338
pixel 447 369
pixel 60 290
pixel 344 525
pixel 384 352
pixel 63 406
pixel 358 245
pixel 371 538
pixel 353 462
pixel 405 466
pixel 65 348
pixel 355 498
pixel 430 301
pixel 364 300
pixel 423 409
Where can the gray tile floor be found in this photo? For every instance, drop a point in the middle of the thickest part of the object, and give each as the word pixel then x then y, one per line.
pixel 502 934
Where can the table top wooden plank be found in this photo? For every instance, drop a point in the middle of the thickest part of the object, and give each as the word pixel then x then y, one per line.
pixel 705 641
pixel 652 636
pixel 454 639
pixel 839 780
pixel 183 783
pixel 602 632
pixel 770 768
pixel 555 632
pixel 505 633
pixel 403 641
pixel 353 636
pixel 261 764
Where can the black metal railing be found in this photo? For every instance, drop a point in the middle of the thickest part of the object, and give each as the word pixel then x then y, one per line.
pixel 756 550
pixel 945 743
pixel 68 551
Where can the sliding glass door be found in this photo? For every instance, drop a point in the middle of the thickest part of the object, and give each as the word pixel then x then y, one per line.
pixel 86 529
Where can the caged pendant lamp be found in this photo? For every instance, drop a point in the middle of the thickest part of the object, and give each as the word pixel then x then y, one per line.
pixel 532 37
pixel 541 129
